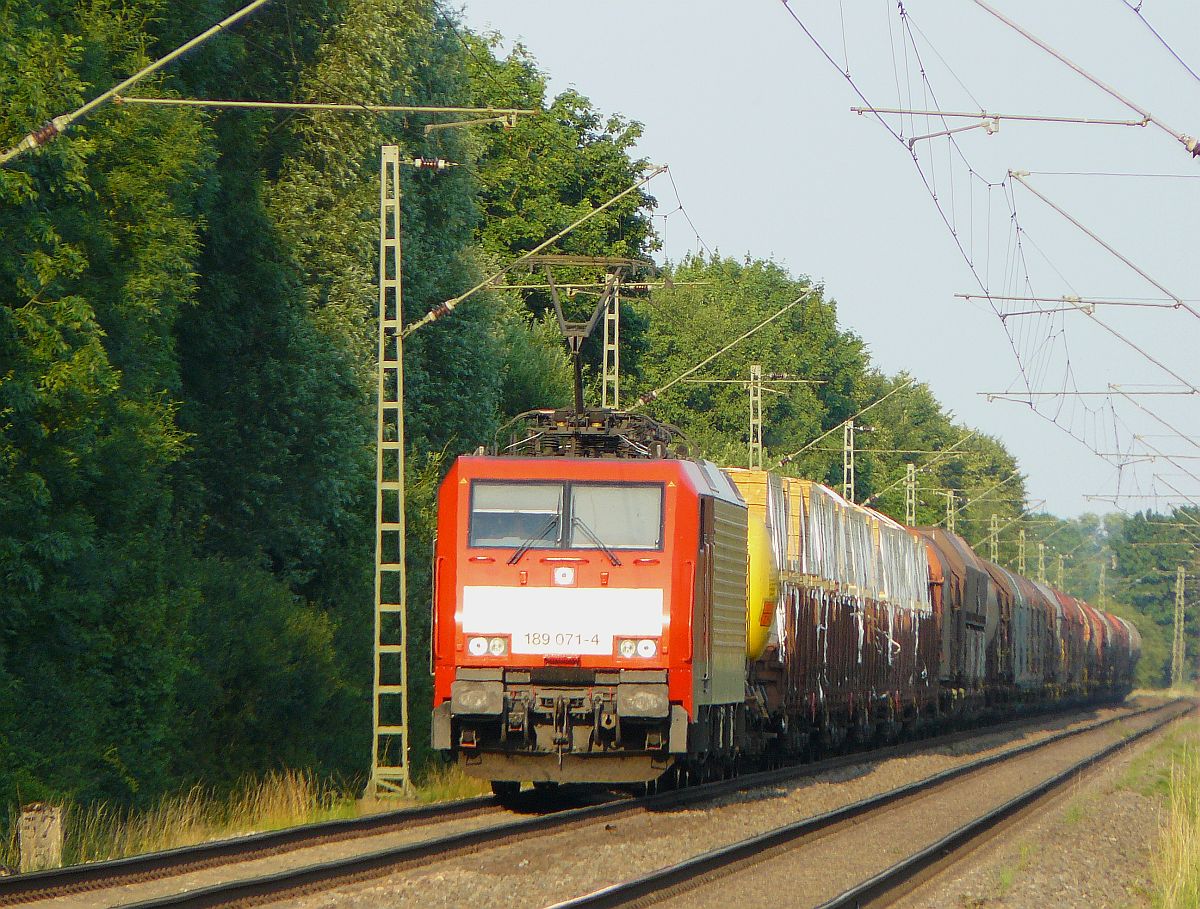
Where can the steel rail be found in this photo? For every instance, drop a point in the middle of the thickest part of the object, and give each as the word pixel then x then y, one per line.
pixel 665 881
pixel 27 887
pixel 366 866
pixel 37 885
pixel 156 865
pixel 876 889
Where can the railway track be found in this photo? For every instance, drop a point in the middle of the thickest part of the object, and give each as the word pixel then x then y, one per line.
pixel 23 888
pixel 688 883
pixel 367 863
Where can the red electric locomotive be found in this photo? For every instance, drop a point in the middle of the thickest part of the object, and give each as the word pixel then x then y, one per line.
pixel 589 612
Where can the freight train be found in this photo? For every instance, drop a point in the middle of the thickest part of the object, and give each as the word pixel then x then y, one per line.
pixel 608 609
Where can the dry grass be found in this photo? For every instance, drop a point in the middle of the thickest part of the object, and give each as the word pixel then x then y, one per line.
pixel 99 832
pixel 1177 862
pixel 1188 690
pixel 446 783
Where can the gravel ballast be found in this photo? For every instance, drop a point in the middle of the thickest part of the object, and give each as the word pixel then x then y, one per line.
pixel 553 867
pixel 1092 848
pixel 809 873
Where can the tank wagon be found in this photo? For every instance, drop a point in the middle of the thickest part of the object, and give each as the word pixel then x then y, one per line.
pixel 607 609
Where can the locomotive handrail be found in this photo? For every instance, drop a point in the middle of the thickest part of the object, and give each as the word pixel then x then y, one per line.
pixel 690 574
pixel 435 624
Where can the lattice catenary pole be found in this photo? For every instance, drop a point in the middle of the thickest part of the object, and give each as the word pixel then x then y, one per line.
pixel 1021 552
pixel 1042 562
pixel 950 509
pixel 848 461
pixel 389 743
pixel 910 494
pixel 756 420
pixel 610 392
pixel 1177 647
pixel 994 539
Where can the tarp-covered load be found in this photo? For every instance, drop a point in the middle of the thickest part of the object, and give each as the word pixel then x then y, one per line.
pixel 846 548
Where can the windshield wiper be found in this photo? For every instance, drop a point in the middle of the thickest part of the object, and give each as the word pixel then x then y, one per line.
pixel 591 535
pixel 536 538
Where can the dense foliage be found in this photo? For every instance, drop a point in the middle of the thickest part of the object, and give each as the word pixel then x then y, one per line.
pixel 186 372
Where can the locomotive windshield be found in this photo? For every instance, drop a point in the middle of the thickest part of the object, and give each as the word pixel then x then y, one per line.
pixel 511 514
pixel 559 515
pixel 624 517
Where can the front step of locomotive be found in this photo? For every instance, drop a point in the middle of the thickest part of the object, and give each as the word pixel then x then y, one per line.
pixel 562 724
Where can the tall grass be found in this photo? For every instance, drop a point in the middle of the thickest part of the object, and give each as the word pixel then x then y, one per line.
pixel 281 799
pixel 1177 862
pixel 447 782
pixel 284 799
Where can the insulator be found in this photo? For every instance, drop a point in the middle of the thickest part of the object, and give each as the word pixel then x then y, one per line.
pixel 43 135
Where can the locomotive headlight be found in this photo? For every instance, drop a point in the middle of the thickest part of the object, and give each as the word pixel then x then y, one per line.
pixel 497 647
pixel 646 648
pixel 477 646
pixel 627 648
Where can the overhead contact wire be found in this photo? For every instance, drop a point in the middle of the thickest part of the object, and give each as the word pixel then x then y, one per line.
pixel 1137 10
pixel 687 217
pixel 61 123
pixel 650 396
pixel 990 489
pixel 942 455
pixel 1108 247
pixel 854 416
pixel 1187 141
pixel 1054 421
pixel 444 309
pixel 916 162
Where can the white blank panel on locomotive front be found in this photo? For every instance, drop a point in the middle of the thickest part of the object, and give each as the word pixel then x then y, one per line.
pixel 563 620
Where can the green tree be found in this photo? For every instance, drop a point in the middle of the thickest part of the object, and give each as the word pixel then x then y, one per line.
pixel 101 238
pixel 1147 548
pixel 712 302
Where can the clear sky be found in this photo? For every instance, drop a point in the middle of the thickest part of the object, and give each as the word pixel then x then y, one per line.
pixel 755 125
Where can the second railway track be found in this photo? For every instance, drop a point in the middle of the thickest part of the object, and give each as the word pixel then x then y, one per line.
pixel 870 852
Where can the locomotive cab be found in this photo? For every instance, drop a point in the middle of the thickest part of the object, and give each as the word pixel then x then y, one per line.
pixel 562 634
